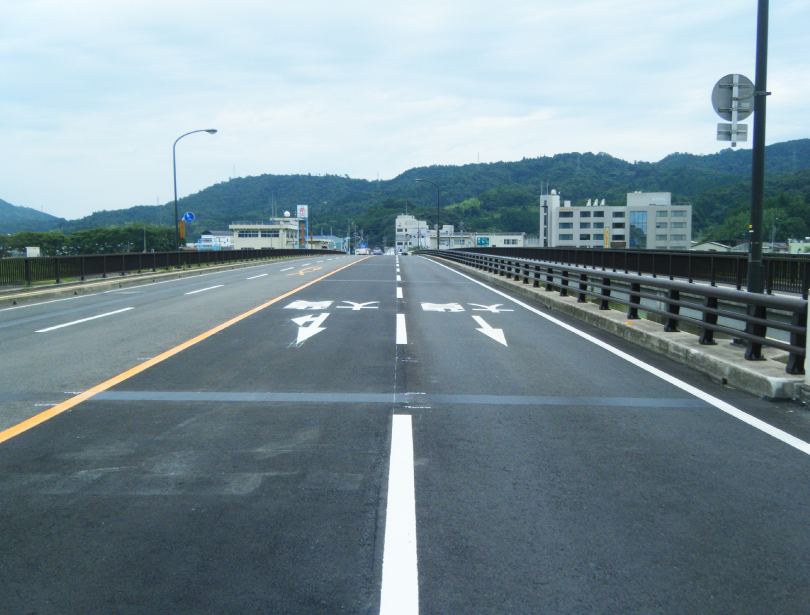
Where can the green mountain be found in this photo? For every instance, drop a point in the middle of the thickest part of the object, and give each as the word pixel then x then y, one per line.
pixel 14 219
pixel 497 196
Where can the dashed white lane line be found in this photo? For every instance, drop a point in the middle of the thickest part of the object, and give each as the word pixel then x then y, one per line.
pixel 256 276
pixel 399 278
pixel 76 322
pixel 400 580
pixel 202 290
pixel 287 269
pixel 402 334
pixel 399 292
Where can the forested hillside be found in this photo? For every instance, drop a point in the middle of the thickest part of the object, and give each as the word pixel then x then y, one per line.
pixel 502 195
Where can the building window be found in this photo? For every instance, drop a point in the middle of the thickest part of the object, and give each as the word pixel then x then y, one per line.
pixel 584 214
pixel 584 225
pixel 598 237
pixel 679 247
pixel 638 229
pixel 660 225
pixel 618 238
pixel 677 237
pixel 249 233
pixel 660 237
pixel 270 233
pixel 661 214
pixel 618 225
pixel 566 225
pixel 598 225
pixel 679 214
pixel 618 214
pixel 679 225
pixel 599 214
pixel 584 237
pixel 566 214
pixel 566 237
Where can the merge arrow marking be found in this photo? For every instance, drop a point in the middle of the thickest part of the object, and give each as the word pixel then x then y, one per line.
pixel 496 334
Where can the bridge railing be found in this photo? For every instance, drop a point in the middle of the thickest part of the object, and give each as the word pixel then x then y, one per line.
pixel 786 273
pixel 22 271
pixel 756 315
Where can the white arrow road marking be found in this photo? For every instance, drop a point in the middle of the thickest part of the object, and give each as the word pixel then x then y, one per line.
pixel 489 308
pixel 304 333
pixel 76 322
pixel 358 306
pixel 496 334
pixel 442 307
pixel 308 305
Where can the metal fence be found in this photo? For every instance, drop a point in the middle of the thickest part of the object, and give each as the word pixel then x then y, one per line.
pixel 19 271
pixel 785 273
pixel 760 312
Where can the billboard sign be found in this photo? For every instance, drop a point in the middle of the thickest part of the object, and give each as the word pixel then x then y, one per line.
pixel 303 212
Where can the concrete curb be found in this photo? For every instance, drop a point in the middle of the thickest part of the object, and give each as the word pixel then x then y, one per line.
pixel 74 289
pixel 723 363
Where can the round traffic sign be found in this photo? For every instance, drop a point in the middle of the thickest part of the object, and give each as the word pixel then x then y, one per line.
pixel 188 217
pixel 723 96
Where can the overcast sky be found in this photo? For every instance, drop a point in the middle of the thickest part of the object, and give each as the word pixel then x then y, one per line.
pixel 93 94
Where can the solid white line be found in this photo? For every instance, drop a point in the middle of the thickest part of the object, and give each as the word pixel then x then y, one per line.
pixel 785 437
pixel 399 292
pixel 256 276
pixel 402 334
pixel 400 579
pixel 287 269
pixel 203 289
pixel 76 322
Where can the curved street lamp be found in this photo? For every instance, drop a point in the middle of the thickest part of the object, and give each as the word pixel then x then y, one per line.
pixel 438 212
pixel 174 164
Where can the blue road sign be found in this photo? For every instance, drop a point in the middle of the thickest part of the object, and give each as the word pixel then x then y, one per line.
pixel 188 217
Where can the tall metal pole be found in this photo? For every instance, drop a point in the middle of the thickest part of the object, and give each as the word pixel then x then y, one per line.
pixel 756 277
pixel 756 281
pixel 438 212
pixel 174 166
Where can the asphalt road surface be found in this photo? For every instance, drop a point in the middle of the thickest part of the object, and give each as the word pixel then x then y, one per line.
pixel 380 435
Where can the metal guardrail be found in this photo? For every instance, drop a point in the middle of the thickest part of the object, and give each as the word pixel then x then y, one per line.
pixel 20 271
pixel 785 273
pixel 601 285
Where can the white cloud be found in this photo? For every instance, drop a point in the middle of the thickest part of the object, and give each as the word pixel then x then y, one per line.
pixel 96 93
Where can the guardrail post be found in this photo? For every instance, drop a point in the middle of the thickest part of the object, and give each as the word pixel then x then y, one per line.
pixel 795 364
pixel 605 303
pixel 56 268
pixel 707 335
pixel 635 300
pixel 564 284
pixel 549 279
pixel 583 287
pixel 674 309
pixel 753 350
pixel 536 276
pixel 525 274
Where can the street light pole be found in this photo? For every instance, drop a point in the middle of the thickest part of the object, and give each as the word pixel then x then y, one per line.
pixel 174 165
pixel 438 212
pixel 773 233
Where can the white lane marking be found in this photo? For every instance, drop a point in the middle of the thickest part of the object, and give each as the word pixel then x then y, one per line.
pixel 287 269
pixel 256 276
pixel 76 322
pixel 356 307
pixel 399 278
pixel 202 290
pixel 764 427
pixel 400 579
pixel 496 334
pixel 399 292
pixel 402 334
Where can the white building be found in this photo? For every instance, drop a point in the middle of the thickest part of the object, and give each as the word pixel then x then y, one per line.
pixel 278 233
pixel 649 221
pixel 215 240
pixel 411 233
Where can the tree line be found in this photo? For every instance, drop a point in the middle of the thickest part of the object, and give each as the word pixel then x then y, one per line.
pixel 104 240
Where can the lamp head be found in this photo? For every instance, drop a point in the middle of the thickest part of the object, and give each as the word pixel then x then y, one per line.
pixel 211 131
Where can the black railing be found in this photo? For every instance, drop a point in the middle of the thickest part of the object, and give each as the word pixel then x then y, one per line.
pixel 783 273
pixel 21 271
pixel 758 313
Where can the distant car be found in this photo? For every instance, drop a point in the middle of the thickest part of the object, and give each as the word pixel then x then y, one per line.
pixel 377 251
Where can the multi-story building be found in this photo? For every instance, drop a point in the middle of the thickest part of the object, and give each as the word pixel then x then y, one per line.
pixel 411 233
pixel 649 221
pixel 278 233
